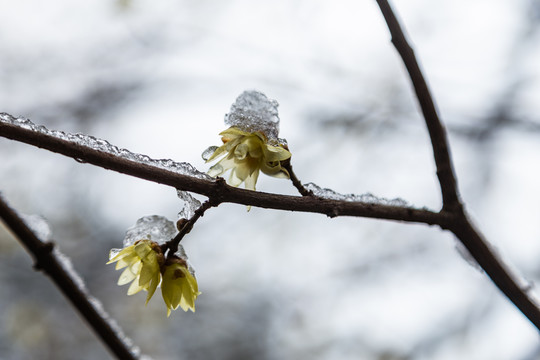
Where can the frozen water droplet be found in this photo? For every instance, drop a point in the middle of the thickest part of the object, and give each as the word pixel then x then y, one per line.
pixel 189 206
pixel 39 226
pixel 156 228
pixel 181 253
pixel 253 111
pixel 182 168
pixel 208 152
pixel 366 198
pixel 113 253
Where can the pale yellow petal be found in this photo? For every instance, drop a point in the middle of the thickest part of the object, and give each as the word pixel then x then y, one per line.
pixel 233 133
pixel 143 248
pixel 275 153
pixel 219 151
pixel 126 261
pixel 234 180
pixel 251 181
pixel 126 277
pixel 126 252
pixel 134 288
pixel 153 286
pixel 241 151
pixel 148 271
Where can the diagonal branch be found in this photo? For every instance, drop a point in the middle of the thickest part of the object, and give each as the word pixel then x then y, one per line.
pixel 461 225
pixel 437 131
pixel 46 259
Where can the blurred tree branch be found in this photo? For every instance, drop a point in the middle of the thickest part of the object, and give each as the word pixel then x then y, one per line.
pixel 46 260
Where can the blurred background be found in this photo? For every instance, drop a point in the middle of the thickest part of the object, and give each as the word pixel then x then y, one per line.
pixel 158 77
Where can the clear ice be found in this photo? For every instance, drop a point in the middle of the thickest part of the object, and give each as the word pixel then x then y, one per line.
pixel 189 206
pixel 156 228
pixel 253 111
pixel 208 152
pixel 366 198
pixel 182 168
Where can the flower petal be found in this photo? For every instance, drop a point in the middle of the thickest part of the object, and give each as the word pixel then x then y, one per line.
pixel 134 288
pixel 126 276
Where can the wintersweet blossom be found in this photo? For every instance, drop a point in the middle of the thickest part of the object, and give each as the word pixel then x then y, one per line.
pixel 179 286
pixel 247 153
pixel 142 261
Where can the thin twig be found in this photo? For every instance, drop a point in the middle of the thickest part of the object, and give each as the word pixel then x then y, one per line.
pixel 296 182
pixel 219 191
pixel 46 260
pixel 460 225
pixel 172 245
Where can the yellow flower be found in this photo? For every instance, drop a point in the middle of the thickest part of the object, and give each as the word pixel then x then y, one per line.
pixel 179 286
pixel 245 155
pixel 143 260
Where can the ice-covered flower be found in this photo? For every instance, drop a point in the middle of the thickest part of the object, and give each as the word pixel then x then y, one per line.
pixel 179 286
pixel 245 154
pixel 142 261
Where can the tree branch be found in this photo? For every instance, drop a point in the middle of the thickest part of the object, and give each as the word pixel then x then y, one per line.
pixel 296 182
pixel 460 225
pixel 437 131
pixel 186 227
pixel 218 191
pixel 46 260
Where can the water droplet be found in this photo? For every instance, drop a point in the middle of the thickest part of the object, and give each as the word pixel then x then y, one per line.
pixel 208 152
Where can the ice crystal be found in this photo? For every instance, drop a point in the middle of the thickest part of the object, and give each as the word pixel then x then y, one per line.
pixel 101 145
pixel 366 198
pixel 190 204
pixel 156 228
pixel 253 111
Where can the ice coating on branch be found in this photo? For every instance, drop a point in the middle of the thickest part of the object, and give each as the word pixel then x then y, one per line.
pixel 182 168
pixel 67 266
pixel 189 206
pixel 156 228
pixel 39 226
pixel 128 343
pixel 366 198
pixel 253 111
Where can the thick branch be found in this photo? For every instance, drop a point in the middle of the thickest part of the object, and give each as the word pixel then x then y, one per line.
pixel 46 260
pixel 218 191
pixel 437 131
pixel 496 270
pixel 461 225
